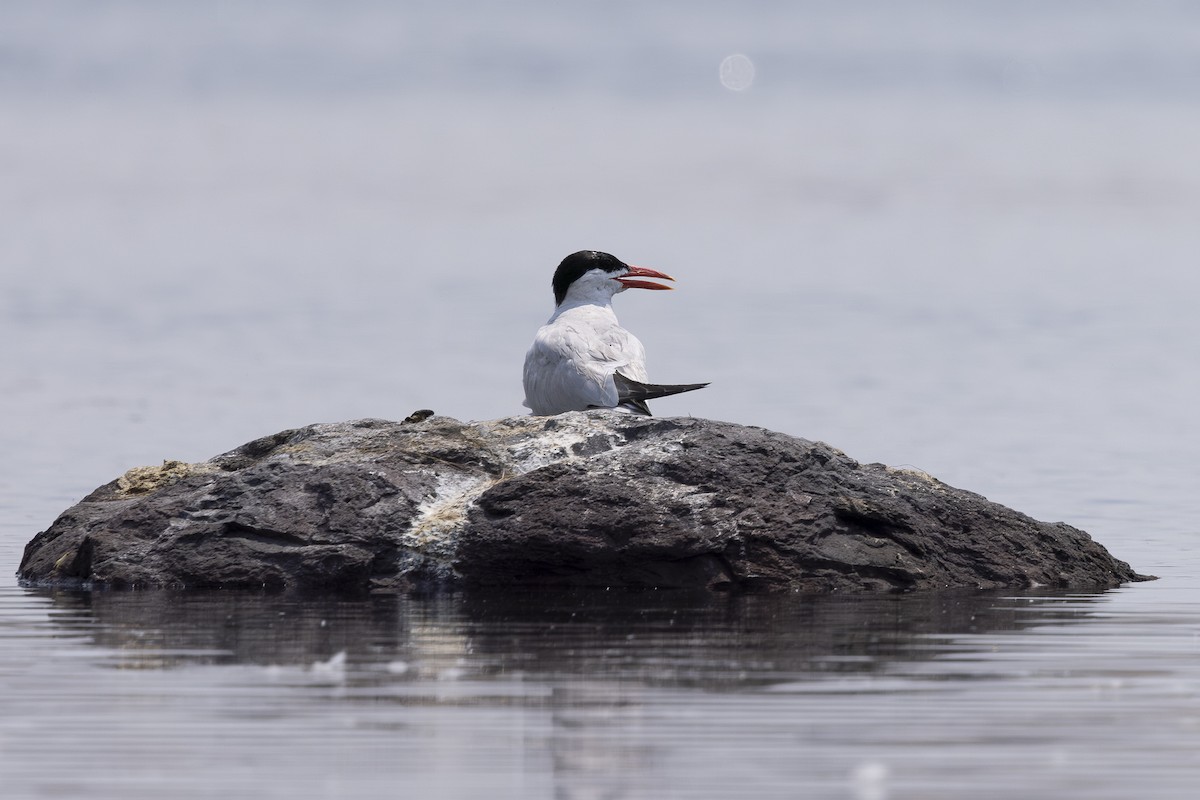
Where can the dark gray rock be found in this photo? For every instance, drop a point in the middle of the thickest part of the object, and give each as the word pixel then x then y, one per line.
pixel 581 499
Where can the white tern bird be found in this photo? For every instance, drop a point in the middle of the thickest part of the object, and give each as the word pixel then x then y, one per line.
pixel 582 358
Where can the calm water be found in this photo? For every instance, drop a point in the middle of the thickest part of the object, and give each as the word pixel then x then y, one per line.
pixel 957 236
pixel 146 695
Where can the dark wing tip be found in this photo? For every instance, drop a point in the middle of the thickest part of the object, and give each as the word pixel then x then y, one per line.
pixel 631 391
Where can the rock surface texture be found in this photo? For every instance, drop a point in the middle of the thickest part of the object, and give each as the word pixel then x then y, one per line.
pixel 582 499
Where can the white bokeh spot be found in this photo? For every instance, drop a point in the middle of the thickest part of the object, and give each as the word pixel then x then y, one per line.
pixel 737 72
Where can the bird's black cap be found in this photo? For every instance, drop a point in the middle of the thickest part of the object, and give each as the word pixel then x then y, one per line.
pixel 574 265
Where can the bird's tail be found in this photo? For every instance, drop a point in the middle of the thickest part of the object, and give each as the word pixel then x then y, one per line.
pixel 634 394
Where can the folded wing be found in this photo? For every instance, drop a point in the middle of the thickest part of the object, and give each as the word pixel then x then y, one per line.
pixel 634 394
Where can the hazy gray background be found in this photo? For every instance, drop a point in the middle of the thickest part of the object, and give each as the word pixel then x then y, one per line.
pixel 960 236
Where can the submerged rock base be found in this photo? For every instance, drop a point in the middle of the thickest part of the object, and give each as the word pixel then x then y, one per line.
pixel 583 499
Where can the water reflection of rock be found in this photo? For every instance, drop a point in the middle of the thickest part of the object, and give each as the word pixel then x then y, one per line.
pixel 583 680
pixel 656 638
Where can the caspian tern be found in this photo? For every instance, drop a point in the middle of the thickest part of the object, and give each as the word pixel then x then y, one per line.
pixel 582 358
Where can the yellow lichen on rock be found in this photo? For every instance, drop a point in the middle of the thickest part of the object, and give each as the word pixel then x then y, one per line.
pixel 141 480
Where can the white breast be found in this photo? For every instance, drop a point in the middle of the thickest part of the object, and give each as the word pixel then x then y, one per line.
pixel 570 365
